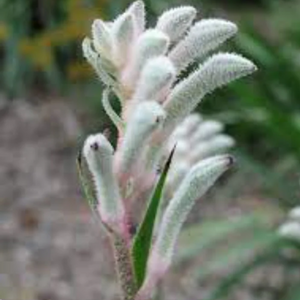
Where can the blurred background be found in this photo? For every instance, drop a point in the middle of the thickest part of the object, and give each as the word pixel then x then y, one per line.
pixel 50 247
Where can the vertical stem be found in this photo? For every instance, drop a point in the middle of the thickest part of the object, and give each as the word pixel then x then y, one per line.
pixel 124 267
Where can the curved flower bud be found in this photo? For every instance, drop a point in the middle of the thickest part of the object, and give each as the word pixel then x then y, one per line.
pixel 290 230
pixel 150 44
pixel 216 145
pixel 201 177
pixel 137 9
pixel 191 122
pixel 203 37
pixel 89 54
pixel 101 38
pixel 98 153
pixel 217 71
pixel 122 35
pixel 156 79
pixel 206 130
pixel 103 67
pixel 176 21
pixel 147 117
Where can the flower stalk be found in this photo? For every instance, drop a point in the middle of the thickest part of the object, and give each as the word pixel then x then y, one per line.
pixel 142 67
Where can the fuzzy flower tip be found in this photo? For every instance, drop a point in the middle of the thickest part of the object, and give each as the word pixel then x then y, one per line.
pixel 98 153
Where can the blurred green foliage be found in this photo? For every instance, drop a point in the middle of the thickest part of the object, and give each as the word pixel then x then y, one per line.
pixel 40 42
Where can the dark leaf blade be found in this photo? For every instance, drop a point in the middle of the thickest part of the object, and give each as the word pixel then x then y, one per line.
pixel 85 184
pixel 142 242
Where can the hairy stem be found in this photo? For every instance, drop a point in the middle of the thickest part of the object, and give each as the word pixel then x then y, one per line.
pixel 124 267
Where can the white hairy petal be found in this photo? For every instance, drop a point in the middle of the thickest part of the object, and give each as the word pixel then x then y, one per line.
pixel 88 52
pixel 123 35
pixel 102 67
pixel 295 214
pixel 290 230
pixel 217 71
pixel 217 145
pixel 204 36
pixel 184 129
pixel 156 79
pixel 137 8
pixel 98 153
pixel 176 174
pixel 147 117
pixel 102 38
pixel 176 21
pixel 195 184
pixel 150 44
pixel 191 122
pixel 206 130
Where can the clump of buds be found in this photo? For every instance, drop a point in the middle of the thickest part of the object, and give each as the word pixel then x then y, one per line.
pixel 196 139
pixel 142 67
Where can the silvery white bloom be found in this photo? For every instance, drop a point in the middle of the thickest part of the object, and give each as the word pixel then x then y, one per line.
pixel 147 118
pixel 203 37
pixel 150 44
pixel 216 72
pixel 142 67
pixel 176 21
pixel 99 156
pixel 290 230
pixel 155 80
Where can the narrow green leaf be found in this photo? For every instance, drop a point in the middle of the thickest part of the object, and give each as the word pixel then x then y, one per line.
pixel 85 184
pixel 142 242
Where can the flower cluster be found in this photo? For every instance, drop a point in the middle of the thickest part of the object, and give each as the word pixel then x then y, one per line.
pixel 195 140
pixel 143 68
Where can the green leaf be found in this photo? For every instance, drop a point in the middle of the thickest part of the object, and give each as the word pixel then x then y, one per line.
pixel 85 184
pixel 142 242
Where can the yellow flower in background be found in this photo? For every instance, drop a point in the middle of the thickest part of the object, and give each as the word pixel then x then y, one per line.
pixel 3 32
pixel 78 71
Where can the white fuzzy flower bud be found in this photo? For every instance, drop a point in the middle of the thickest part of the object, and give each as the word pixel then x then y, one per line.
pixel 217 71
pixel 123 32
pixel 101 38
pixel 176 21
pixel 156 79
pixel 137 9
pixel 89 54
pixel 295 214
pixel 206 130
pixel 98 153
pixel 217 145
pixel 203 37
pixel 200 178
pixel 150 44
pixel 101 65
pixel 177 172
pixel 147 117
pixel 290 230
pixel 191 122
